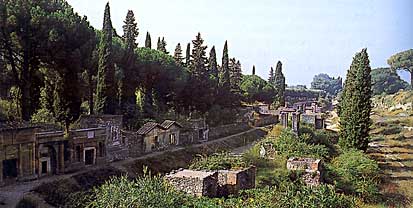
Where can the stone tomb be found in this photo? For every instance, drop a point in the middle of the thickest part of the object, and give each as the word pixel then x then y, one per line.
pixel 312 169
pixel 219 183
pixel 230 182
pixel 197 183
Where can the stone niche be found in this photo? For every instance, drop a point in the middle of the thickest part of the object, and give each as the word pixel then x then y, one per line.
pixel 197 183
pixel 230 182
pixel 311 167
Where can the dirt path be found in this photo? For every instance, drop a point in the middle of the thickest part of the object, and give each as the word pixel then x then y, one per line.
pixel 11 195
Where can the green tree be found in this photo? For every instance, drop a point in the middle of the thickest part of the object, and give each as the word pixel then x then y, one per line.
pixel 106 92
pixel 127 85
pixel 403 61
pixel 224 77
pixel 387 81
pixel 254 88
pixel 178 54
pixel 148 41
pixel 253 70
pixel 355 104
pixel 188 55
pixel 162 45
pixel 271 79
pixel 235 75
pixel 329 84
pixel 213 67
pixel 279 85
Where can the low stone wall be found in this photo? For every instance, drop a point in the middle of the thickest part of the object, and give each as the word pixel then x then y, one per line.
pixel 230 182
pixel 135 146
pixel 197 183
pixel 227 130
pixel 312 169
pixel 265 121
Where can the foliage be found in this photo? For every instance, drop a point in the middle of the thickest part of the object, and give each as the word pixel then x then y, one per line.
pixel 386 81
pixel 254 88
pixel 178 54
pixel 146 191
pixel 148 41
pixel 356 174
pixel 218 115
pixel 9 110
pixel 403 61
pixel 329 84
pixel 221 161
pixel 355 104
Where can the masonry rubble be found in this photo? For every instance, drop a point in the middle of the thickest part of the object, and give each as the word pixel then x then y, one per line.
pixel 218 183
pixel 312 168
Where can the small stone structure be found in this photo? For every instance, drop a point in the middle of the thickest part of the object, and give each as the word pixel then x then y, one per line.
pixel 230 182
pixel 312 169
pixel 219 183
pixel 197 183
pixel 315 119
pixel 159 136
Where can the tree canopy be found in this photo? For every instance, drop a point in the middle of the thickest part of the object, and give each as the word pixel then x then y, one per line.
pixel 403 61
pixel 387 81
pixel 329 84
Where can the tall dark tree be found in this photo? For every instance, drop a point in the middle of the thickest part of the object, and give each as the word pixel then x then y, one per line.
pixel 178 54
pixel 253 70
pixel 162 45
pixel 127 86
pixel 279 85
pixel 235 75
pixel 159 44
pixel 148 41
pixel 355 104
pixel 213 67
pixel 106 92
pixel 188 55
pixel 224 77
pixel 271 78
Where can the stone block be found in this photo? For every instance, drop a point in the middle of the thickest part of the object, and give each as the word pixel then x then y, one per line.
pixel 197 183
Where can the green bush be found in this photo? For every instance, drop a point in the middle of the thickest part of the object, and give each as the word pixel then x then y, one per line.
pixel 147 191
pixel 356 174
pixel 222 161
pixel 392 129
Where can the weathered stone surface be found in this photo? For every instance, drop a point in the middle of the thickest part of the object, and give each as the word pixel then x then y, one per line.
pixel 230 182
pixel 197 183
pixel 312 169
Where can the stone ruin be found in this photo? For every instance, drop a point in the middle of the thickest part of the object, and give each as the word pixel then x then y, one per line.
pixel 312 168
pixel 219 183
pixel 196 183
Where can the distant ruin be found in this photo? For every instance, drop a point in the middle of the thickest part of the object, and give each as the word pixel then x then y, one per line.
pixel 312 169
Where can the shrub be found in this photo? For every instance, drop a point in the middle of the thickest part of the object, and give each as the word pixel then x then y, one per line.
pixel 393 129
pixel 147 191
pixel 222 161
pixel 357 174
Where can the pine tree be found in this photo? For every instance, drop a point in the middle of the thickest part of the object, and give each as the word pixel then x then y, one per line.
pixel 163 46
pixel 130 31
pixel 253 70
pixel 106 91
pixel 188 55
pixel 279 85
pixel 178 54
pixel 355 104
pixel 271 78
pixel 213 67
pixel 224 78
pixel 199 60
pixel 148 41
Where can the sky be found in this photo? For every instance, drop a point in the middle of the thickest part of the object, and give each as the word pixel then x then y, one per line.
pixel 308 37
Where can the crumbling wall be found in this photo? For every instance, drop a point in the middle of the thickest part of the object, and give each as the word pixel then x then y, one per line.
pixel 195 183
pixel 312 169
pixel 266 120
pixel 230 182
pixel 227 130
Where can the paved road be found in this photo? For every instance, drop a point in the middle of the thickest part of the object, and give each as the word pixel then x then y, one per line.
pixel 11 195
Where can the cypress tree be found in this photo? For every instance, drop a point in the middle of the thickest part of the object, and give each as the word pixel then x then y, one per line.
pixel 126 85
pixel 178 54
pixel 224 78
pixel 163 46
pixel 253 70
pixel 148 41
pixel 199 60
pixel 159 44
pixel 188 55
pixel 130 31
pixel 355 104
pixel 279 85
pixel 213 66
pixel 271 78
pixel 235 75
pixel 106 91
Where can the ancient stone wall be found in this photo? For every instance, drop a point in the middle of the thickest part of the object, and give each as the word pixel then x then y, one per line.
pixel 197 183
pixel 266 120
pixel 230 182
pixel 227 130
pixel 312 169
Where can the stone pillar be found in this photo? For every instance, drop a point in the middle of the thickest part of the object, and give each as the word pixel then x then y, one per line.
pixel 20 166
pixel 61 158
pixel 34 159
pixel 284 119
pixel 296 121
